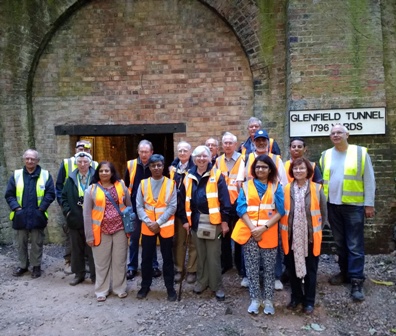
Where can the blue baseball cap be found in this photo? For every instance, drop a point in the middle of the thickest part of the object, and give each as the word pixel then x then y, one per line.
pixel 261 134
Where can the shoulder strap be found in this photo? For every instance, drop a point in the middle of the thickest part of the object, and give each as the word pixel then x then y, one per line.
pixel 111 199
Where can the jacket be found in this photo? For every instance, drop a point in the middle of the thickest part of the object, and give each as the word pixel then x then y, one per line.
pixel 32 215
pixel 316 213
pixel 70 197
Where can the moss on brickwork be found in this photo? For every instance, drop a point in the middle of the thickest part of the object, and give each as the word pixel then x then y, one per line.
pixel 267 31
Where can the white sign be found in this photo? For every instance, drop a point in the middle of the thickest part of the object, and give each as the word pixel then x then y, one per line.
pixel 359 121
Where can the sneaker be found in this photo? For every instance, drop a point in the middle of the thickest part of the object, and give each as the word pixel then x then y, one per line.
pixel 198 288
pixel 254 307
pixel 178 277
pixel 278 285
pixel 76 280
pixel 191 277
pixel 245 282
pixel 67 267
pixel 131 274
pixel 268 307
pixel 338 279
pixel 220 296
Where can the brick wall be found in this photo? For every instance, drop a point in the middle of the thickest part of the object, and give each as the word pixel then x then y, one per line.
pixel 210 64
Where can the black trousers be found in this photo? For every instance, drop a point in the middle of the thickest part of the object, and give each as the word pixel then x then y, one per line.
pixel 80 249
pixel 226 247
pixel 149 247
pixel 303 292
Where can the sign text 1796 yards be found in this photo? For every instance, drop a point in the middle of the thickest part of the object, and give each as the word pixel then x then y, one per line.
pixel 361 121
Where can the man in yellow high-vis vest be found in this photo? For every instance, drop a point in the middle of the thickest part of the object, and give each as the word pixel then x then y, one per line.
pixel 349 185
pixel 30 191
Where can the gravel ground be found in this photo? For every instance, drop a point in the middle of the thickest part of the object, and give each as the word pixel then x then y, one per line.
pixel 49 306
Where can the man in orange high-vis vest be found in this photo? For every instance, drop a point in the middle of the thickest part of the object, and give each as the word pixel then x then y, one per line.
pixel 229 163
pixel 156 203
pixel 247 147
pixel 136 171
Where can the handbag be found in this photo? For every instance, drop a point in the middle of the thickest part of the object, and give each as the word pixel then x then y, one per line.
pixel 206 230
pixel 128 216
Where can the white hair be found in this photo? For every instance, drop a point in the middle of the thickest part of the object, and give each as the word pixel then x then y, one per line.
pixel 201 150
pixel 228 134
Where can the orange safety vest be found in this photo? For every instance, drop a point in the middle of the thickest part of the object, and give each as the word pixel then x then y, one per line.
pixel 275 158
pixel 131 164
pixel 259 212
pixel 230 176
pixel 212 195
pixel 287 166
pixel 271 143
pixel 98 209
pixel 315 215
pixel 155 208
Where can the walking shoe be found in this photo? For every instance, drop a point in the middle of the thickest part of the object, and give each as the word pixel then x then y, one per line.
pixel 178 277
pixel 67 267
pixel 357 290
pixel 198 288
pixel 220 296
pixel 254 307
pixel 191 277
pixel 156 272
pixel 76 280
pixel 245 282
pixel 308 310
pixel 142 293
pixel 338 279
pixel 268 307
pixel 278 285
pixel 172 296
pixel 292 305
pixel 36 273
pixel 19 272
pixel 131 274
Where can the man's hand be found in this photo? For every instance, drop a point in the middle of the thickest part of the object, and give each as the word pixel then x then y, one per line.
pixel 369 211
pixel 186 226
pixel 153 227
pixel 224 228
pixel 90 243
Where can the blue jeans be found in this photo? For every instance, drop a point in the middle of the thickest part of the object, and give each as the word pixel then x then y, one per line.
pixel 134 249
pixel 347 225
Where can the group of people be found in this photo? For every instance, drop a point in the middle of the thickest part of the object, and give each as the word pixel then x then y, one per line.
pixel 245 208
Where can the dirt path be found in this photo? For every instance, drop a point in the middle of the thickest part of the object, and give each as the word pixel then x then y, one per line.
pixel 49 306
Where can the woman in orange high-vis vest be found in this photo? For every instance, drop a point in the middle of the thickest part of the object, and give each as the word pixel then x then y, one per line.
pixel 260 206
pixel 104 230
pixel 301 231
pixel 207 201
pixel 298 149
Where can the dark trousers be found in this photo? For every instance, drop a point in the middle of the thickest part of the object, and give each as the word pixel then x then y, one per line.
pixel 149 247
pixel 79 249
pixel 226 247
pixel 303 292
pixel 134 249
pixel 347 225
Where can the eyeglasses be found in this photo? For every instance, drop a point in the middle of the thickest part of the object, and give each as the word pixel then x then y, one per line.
pixel 202 156
pixel 154 166
pixel 299 168
pixel 262 167
pixel 182 151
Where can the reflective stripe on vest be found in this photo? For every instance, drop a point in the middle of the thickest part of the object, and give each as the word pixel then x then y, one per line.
pixel 230 176
pixel 316 217
pixel 132 165
pixel 259 212
pixel 353 184
pixel 211 195
pixel 40 188
pixel 99 200
pixel 248 174
pixel 154 209
pixel 70 165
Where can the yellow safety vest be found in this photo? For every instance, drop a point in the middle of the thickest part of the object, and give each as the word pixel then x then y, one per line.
pixel 132 165
pixel 353 185
pixel 316 217
pixel 155 208
pixel 40 188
